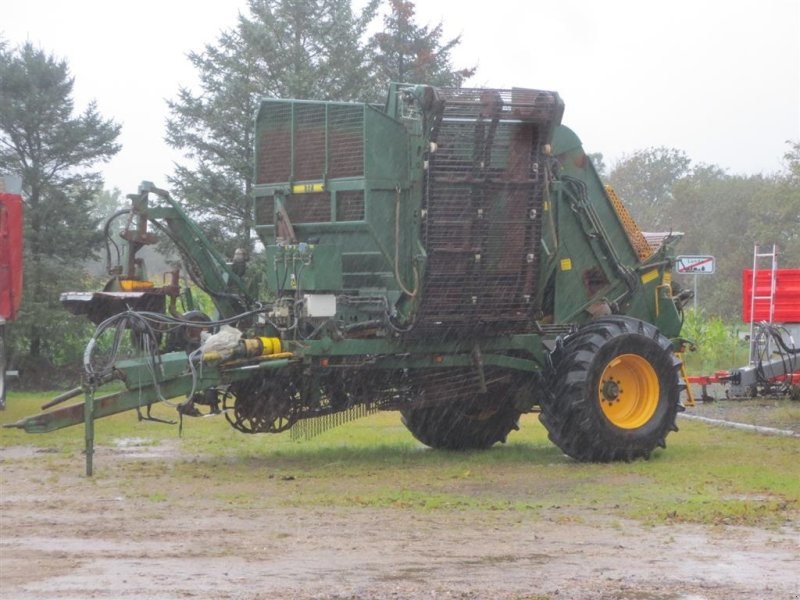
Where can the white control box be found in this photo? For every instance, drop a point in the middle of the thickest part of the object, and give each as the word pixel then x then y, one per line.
pixel 319 305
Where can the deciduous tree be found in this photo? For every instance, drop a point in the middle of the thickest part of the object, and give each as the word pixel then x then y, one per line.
pixel 720 214
pixel 645 179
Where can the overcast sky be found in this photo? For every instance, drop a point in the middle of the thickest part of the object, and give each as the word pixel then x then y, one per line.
pixel 719 79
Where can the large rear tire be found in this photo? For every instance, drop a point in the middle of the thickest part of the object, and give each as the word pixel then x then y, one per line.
pixel 615 393
pixel 460 425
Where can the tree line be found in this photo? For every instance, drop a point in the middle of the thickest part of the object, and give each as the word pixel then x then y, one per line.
pixel 720 214
pixel 314 49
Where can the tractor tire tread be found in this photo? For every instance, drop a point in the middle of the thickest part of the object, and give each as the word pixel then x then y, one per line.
pixel 568 414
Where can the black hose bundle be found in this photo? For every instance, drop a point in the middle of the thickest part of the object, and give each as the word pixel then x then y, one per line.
pixel 769 340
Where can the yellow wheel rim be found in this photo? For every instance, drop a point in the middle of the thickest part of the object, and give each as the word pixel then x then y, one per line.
pixel 628 391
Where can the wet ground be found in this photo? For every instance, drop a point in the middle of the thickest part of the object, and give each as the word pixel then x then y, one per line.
pixel 66 537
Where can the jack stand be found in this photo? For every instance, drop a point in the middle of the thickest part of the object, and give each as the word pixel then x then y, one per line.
pixel 88 419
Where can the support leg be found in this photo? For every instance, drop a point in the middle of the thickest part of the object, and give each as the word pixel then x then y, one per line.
pixel 88 417
pixel 2 364
pixel 689 394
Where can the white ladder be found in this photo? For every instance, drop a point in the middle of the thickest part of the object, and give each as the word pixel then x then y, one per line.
pixel 759 257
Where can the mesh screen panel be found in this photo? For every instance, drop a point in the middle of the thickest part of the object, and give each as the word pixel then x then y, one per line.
pixel 313 207
pixel 309 142
pixel 350 206
pixel 305 141
pixel 484 199
pixel 346 125
pixel 265 210
pixel 275 145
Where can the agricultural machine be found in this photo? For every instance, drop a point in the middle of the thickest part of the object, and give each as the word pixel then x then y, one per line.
pixel 10 265
pixel 452 255
pixel 771 306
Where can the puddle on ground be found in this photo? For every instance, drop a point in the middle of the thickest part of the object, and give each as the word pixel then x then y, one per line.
pixel 139 447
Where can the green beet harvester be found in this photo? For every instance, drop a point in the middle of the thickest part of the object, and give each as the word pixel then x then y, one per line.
pixel 452 255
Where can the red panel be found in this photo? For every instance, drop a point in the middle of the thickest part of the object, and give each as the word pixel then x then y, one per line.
pixel 10 255
pixel 787 295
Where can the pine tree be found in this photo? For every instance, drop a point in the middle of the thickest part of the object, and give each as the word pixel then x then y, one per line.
pixel 283 48
pixel 407 52
pixel 54 151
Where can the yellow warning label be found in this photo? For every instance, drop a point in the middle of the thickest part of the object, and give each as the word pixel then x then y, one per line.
pixel 650 276
pixel 667 279
pixel 566 264
pixel 308 188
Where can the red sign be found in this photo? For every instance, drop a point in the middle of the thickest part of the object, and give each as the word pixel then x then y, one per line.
pixel 787 295
pixel 10 255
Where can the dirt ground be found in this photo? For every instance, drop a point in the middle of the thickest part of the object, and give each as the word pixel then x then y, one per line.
pixel 65 537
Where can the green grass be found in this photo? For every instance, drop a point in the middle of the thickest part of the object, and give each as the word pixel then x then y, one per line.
pixel 707 475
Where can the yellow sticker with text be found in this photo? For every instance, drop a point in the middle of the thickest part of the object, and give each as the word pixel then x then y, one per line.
pixel 308 188
pixel 566 264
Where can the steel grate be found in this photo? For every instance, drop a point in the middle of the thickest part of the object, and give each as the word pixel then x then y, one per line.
pixel 350 206
pixel 275 144
pixel 346 125
pixel 484 198
pixel 314 207
pixel 309 142
pixel 265 210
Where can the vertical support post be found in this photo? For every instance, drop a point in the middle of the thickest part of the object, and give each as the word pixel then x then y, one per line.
pixel 685 376
pixel 88 419
pixel 2 363
pixel 694 307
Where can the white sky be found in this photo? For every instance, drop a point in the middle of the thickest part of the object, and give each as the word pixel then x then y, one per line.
pixel 719 79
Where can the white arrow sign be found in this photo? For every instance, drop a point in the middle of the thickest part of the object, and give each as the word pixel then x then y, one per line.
pixel 695 265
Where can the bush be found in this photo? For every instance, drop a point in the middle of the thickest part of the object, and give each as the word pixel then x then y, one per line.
pixel 718 344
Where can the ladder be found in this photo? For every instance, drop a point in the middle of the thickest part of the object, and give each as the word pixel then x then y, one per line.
pixel 760 256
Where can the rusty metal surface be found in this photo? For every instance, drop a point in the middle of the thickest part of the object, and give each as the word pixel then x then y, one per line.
pixel 484 196
pixel 638 241
pixel 307 141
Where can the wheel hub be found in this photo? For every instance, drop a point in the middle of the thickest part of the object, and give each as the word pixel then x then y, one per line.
pixel 628 391
pixel 610 390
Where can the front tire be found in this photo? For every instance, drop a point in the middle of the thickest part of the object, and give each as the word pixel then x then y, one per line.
pixel 615 393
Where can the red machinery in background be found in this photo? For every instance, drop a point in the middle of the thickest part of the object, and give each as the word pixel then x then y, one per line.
pixel 785 300
pixel 771 305
pixel 10 264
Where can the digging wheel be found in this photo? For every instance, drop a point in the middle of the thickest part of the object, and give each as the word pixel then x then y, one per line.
pixel 615 391
pixel 263 404
pixel 472 423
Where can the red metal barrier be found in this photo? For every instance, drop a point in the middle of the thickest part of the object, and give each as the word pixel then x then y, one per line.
pixel 787 295
pixel 10 255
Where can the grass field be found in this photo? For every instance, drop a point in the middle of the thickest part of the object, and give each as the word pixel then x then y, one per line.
pixel 706 475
